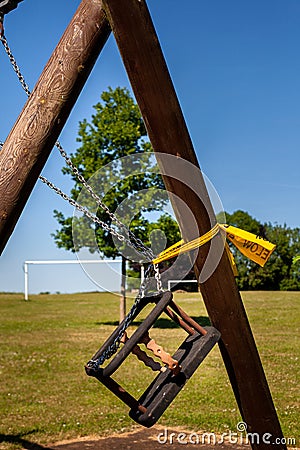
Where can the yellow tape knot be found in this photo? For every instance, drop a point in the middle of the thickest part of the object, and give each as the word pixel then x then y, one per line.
pixel 255 248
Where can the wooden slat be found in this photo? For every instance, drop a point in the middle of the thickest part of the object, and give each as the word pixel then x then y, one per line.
pixel 138 44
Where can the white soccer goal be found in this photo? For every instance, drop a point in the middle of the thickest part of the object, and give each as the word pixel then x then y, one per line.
pixel 170 282
pixel 71 261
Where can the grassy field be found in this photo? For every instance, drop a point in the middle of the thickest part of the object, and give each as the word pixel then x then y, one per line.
pixel 46 396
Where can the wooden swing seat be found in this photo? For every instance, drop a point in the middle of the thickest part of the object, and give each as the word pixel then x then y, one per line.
pixel 173 376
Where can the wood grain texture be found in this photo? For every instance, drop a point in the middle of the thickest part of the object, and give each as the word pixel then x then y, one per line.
pixel 36 130
pixel 146 67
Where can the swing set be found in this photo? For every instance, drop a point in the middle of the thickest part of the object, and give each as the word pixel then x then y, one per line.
pixel 133 29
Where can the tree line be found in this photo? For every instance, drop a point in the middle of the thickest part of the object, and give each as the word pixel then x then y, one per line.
pixel 280 272
pixel 116 130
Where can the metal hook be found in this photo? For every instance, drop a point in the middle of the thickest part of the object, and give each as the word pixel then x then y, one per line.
pixel 1 24
pixel 8 5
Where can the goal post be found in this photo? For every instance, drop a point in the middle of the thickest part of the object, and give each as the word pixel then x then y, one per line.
pixel 70 261
pixel 170 282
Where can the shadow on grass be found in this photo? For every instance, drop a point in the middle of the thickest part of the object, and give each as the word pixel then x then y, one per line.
pixel 19 440
pixel 162 322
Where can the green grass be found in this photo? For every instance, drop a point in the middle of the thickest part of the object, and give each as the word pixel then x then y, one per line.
pixel 46 395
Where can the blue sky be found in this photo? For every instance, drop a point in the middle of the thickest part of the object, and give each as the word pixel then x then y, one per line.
pixel 236 70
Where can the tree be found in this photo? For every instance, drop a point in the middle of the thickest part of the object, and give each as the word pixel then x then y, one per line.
pixel 287 242
pixel 116 131
pixel 279 273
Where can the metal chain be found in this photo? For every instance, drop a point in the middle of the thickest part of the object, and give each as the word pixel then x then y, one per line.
pixel 158 277
pixel 112 349
pixel 132 240
pixel 14 64
pixel 82 209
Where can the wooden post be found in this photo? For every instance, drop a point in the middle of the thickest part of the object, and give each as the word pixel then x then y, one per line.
pixel 138 43
pixel 29 144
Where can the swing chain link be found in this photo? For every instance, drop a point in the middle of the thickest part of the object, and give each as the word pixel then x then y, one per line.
pixel 134 241
pixel 14 64
pixel 81 208
pixel 157 277
pixel 112 349
pixel 131 240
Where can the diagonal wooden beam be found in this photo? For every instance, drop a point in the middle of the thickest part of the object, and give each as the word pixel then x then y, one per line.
pixel 146 67
pixel 29 143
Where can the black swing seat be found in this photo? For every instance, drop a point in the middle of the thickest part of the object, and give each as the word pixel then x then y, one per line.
pixel 173 376
pixel 166 386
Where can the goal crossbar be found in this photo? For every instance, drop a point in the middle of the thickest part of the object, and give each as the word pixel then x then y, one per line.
pixel 62 261
pixel 179 281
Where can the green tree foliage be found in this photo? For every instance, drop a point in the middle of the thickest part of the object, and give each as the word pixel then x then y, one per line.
pixel 279 273
pixel 116 130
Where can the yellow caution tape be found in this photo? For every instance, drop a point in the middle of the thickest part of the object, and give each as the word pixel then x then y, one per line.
pixel 180 247
pixel 255 248
pixel 231 259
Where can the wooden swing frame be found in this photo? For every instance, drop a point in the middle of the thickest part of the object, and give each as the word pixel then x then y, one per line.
pixel 33 136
